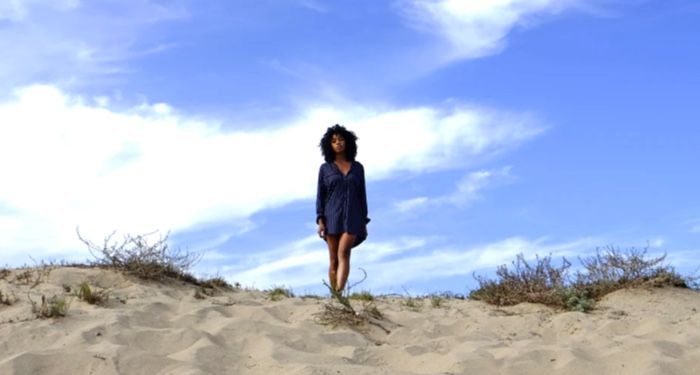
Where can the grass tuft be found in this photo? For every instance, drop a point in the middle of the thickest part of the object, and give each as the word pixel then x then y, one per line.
pixel 364 295
pixel 436 301
pixel 85 293
pixel 277 293
pixel 50 308
pixel 412 303
pixel 311 296
pixel 217 282
pixel 6 300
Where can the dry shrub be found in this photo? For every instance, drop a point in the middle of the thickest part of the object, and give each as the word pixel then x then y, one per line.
pixel 608 270
pixel 538 283
pixel 217 282
pixel 140 257
pixel 24 277
pixel 32 276
pixel 4 272
pixel 202 293
pixel 611 269
pixel 212 287
pixel 339 312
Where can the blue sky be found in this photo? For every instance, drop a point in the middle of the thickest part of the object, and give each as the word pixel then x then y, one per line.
pixel 486 129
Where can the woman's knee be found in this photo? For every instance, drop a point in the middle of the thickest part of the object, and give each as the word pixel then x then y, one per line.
pixel 334 263
pixel 344 257
pixel 344 253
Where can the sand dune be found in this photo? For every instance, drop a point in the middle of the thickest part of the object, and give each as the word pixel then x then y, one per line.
pixel 156 328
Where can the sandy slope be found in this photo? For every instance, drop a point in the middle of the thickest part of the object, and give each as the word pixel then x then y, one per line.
pixel 151 328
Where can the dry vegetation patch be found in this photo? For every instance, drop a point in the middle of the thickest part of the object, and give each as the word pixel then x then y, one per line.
pixel 608 270
pixel 91 296
pixel 142 257
pixel 218 282
pixel 53 307
pixel 6 299
pixel 364 295
pixel 213 287
pixel 277 293
pixel 340 312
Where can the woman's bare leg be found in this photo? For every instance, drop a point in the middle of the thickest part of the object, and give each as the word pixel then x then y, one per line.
pixel 344 245
pixel 332 242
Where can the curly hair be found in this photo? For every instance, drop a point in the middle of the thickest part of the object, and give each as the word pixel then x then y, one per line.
pixel 350 143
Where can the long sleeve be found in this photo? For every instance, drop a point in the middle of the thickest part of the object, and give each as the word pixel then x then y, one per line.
pixel 320 196
pixel 363 197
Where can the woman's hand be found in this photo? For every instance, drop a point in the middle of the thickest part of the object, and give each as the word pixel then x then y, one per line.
pixel 321 230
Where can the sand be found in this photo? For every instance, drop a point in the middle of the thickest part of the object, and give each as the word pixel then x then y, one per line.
pixel 156 328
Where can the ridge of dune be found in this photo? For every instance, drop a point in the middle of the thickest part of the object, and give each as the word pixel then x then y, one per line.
pixel 162 328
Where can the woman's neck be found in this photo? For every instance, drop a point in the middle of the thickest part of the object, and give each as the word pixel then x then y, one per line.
pixel 341 158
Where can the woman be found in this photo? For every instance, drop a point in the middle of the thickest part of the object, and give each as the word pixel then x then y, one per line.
pixel 341 201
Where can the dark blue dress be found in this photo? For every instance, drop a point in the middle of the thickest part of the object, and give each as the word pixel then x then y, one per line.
pixel 341 200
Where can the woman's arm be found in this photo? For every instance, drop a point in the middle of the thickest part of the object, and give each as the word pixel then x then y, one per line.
pixel 363 195
pixel 320 197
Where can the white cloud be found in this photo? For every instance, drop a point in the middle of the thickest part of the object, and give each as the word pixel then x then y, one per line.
pixel 393 263
pixel 68 162
pixel 692 225
pixel 411 204
pixel 414 260
pixel 18 10
pixel 443 263
pixel 75 42
pixel 469 187
pixel 657 242
pixel 685 261
pixel 426 139
pixel 475 29
pixel 314 5
pixel 302 263
pixel 467 190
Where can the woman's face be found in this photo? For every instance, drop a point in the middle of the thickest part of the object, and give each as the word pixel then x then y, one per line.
pixel 338 143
